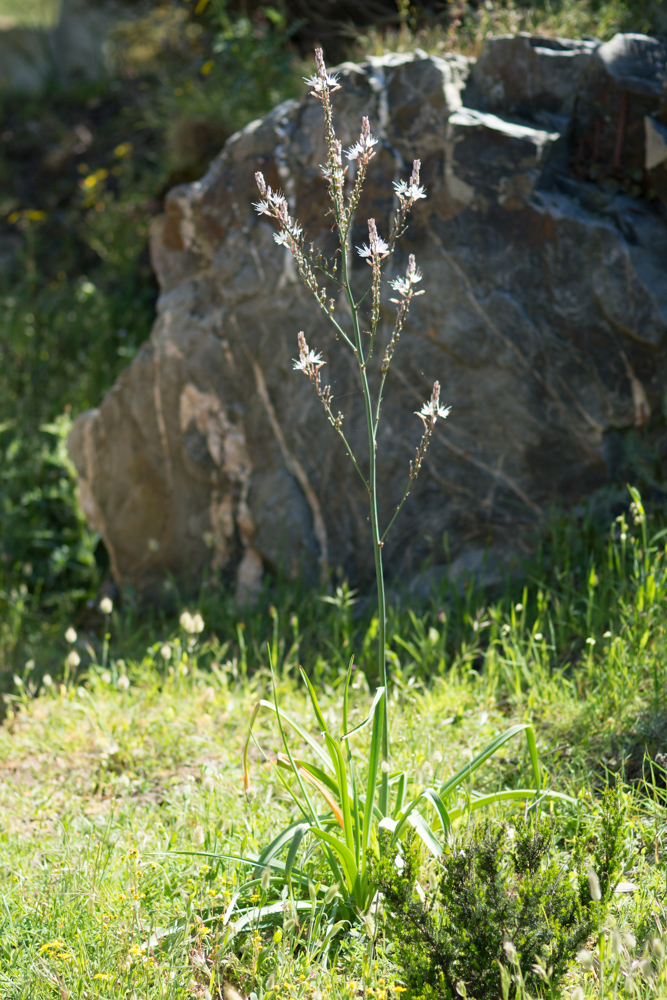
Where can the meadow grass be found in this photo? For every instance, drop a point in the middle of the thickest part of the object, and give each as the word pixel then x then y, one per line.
pixel 107 778
pixel 468 25
pixel 30 13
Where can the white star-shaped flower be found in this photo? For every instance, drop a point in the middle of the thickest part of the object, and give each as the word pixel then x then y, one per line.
pixel 306 359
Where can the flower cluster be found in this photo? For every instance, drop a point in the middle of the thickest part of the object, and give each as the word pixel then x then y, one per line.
pixel 322 80
pixel 412 191
pixel 362 151
pixel 192 624
pixel 310 363
pixel 430 411
pixel 407 291
pixel 377 249
pixel 405 286
pixel 274 204
pixel 407 194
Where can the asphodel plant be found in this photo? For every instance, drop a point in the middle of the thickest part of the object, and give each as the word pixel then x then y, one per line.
pixel 339 803
pixel 359 331
pixel 341 806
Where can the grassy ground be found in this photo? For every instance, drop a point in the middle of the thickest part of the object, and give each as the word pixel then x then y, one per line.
pixel 106 778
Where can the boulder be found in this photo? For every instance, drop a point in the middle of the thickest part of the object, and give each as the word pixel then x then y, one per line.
pixel 530 77
pixel 544 319
pixel 620 115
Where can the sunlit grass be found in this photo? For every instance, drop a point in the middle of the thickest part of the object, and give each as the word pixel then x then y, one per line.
pixel 29 13
pixel 468 27
pixel 106 779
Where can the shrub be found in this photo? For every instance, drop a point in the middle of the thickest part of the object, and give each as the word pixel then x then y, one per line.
pixel 504 906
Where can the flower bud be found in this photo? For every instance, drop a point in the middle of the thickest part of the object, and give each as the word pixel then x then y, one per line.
pixel 585 958
pixel 510 950
pixel 331 894
pixel 594 886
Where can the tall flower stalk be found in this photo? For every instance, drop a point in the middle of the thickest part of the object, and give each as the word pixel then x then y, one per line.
pixel 342 797
pixel 345 184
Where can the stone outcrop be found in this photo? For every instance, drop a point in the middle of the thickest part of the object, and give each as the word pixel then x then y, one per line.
pixel 544 319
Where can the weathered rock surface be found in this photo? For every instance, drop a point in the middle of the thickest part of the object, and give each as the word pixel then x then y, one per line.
pixel 544 319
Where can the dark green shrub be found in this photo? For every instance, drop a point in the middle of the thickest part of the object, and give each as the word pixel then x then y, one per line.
pixel 500 897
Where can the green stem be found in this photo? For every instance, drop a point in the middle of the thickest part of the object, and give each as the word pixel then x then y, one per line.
pixel 377 543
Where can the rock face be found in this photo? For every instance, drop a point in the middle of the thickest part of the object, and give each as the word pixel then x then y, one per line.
pixel 544 319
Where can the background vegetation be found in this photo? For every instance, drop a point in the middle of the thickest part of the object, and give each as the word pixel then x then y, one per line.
pixel 84 169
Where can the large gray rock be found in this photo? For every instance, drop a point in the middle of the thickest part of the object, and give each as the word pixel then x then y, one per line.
pixel 544 319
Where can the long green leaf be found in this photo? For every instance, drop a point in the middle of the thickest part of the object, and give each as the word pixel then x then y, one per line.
pixel 346 692
pixel 477 761
pixel 250 861
pixel 343 793
pixel 482 801
pixel 369 718
pixel 279 842
pixel 311 812
pixel 246 772
pixel 343 852
pixel 432 796
pixel 534 758
pixel 417 821
pixel 373 764
pixel 401 786
pixel 313 698
pixel 299 834
pixel 303 772
pixel 264 911
pixel 303 733
pixel 316 772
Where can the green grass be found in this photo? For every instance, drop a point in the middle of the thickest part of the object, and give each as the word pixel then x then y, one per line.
pixel 467 25
pixel 93 772
pixel 30 13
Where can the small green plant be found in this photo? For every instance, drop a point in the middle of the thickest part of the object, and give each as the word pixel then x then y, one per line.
pixel 505 911
pixel 351 828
